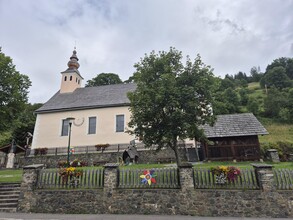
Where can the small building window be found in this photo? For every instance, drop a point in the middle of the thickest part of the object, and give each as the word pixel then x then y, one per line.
pixel 65 78
pixel 70 78
pixel 78 81
pixel 119 123
pixel 65 125
pixel 92 125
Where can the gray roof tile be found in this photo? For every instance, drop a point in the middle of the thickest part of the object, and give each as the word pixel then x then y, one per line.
pixel 89 97
pixel 245 124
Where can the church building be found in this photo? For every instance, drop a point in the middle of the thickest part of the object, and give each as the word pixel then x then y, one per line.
pixel 92 115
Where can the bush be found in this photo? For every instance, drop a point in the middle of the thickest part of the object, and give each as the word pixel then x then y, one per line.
pixel 101 146
pixel 78 163
pixel 41 151
pixel 62 163
pixel 74 163
pixel 283 148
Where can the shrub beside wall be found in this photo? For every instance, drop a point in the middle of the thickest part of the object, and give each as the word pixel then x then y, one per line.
pixel 284 149
pixel 41 151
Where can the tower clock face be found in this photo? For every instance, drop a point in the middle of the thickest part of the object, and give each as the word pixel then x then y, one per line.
pixel 78 121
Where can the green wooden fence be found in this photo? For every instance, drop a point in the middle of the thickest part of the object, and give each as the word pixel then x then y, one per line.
pixel 205 179
pixel 283 178
pixel 165 178
pixel 90 178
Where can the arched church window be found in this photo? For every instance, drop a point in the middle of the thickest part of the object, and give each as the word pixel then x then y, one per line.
pixel 70 78
pixel 65 78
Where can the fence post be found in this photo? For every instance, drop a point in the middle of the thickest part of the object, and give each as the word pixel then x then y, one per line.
pixel 264 176
pixel 27 201
pixel 186 176
pixel 274 156
pixel 110 176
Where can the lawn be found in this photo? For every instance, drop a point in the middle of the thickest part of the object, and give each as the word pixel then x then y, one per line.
pixel 7 176
pixel 145 166
pixel 243 165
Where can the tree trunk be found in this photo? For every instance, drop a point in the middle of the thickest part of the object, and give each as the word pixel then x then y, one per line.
pixel 196 150
pixel 175 148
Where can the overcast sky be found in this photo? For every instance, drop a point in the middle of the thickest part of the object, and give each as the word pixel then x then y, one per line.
pixel 112 35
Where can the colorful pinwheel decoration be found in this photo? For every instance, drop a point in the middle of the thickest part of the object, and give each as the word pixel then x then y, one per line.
pixel 148 177
pixel 71 151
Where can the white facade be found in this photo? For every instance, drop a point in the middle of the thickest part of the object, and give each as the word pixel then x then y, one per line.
pixel 48 128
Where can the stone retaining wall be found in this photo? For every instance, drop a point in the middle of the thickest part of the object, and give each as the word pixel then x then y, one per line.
pixel 166 202
pixel 266 202
pixel 145 156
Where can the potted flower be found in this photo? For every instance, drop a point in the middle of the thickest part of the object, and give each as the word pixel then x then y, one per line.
pixel 101 147
pixel 72 174
pixel 224 174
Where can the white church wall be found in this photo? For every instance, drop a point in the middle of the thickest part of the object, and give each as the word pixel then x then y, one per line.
pixel 48 128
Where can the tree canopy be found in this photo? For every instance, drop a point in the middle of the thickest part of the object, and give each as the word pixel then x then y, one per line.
pixel 276 77
pixel 285 62
pixel 104 79
pixel 171 99
pixel 13 92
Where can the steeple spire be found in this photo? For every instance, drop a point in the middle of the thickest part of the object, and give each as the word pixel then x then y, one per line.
pixel 73 62
pixel 71 78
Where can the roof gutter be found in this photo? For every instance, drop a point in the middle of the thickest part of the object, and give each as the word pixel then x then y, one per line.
pixel 80 108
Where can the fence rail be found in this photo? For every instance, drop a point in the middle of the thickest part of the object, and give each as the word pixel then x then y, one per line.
pixel 205 179
pixel 166 178
pixel 283 178
pixel 50 179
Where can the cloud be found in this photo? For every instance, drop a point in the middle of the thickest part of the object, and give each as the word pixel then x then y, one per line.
pixel 111 36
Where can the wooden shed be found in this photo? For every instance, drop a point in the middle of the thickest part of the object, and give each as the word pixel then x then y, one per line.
pixel 233 136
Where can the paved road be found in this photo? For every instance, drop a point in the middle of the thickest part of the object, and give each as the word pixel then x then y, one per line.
pixel 39 216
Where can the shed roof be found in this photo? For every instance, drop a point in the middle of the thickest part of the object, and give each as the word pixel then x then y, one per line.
pixel 245 124
pixel 89 97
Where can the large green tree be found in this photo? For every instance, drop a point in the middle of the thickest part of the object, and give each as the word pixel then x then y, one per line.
pixel 13 92
pixel 276 77
pixel 285 62
pixel 255 73
pixel 274 102
pixel 25 123
pixel 104 79
pixel 171 100
pixel 290 105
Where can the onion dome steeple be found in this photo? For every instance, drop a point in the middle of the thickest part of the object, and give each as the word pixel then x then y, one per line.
pixel 71 78
pixel 73 62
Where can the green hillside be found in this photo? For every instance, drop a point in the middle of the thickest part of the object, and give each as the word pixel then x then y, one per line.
pixel 277 131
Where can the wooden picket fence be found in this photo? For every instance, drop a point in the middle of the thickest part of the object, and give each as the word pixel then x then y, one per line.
pixel 166 178
pixel 283 178
pixel 205 179
pixel 90 178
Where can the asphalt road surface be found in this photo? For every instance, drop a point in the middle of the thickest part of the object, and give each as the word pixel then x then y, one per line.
pixel 40 216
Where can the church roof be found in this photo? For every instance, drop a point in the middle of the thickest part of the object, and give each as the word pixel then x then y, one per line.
pixel 88 98
pixel 245 124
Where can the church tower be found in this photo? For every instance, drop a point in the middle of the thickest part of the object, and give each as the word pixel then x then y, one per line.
pixel 71 78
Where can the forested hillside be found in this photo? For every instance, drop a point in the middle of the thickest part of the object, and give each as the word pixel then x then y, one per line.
pixel 268 95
